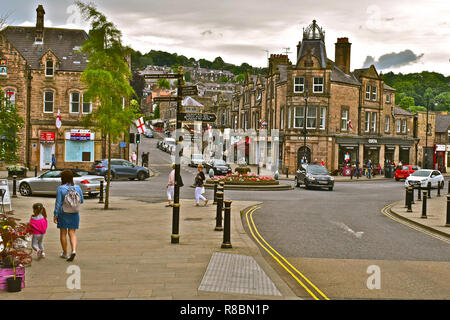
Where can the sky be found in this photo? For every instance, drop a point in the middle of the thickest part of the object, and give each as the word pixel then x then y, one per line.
pixel 400 36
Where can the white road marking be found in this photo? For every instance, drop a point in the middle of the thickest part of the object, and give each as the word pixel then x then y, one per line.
pixel 357 234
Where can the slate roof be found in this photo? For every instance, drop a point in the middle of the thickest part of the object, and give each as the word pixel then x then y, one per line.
pixel 442 123
pixel 401 112
pixel 62 42
pixel 386 87
pixel 338 75
pixel 317 48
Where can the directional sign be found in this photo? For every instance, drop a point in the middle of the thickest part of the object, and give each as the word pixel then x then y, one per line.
pixel 189 91
pixel 162 99
pixel 163 76
pixel 204 117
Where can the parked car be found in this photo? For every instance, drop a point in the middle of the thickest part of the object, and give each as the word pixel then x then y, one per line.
pixel 48 182
pixel 423 177
pixel 148 133
pixel 121 169
pixel 197 159
pixel 314 176
pixel 219 166
pixel 404 171
pixel 167 144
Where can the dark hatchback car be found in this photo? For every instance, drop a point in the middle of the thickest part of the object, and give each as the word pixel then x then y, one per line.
pixel 121 169
pixel 314 176
pixel 219 166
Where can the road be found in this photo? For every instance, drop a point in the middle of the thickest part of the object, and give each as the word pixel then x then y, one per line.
pixel 333 238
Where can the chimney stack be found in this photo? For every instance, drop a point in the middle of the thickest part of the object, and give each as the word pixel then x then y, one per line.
pixel 342 54
pixel 40 23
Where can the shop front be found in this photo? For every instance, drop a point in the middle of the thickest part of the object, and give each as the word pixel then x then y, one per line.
pixel 79 146
pixel 439 157
pixel 47 149
pixel 403 156
pixel 389 154
pixel 372 153
pixel 348 154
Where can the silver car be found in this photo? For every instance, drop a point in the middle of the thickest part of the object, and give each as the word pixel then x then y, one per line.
pixel 48 182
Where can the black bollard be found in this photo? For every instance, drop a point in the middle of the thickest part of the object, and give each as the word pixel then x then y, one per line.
pixel 429 190
pixel 419 193
pixel 14 186
pixel 35 171
pixel 216 183
pixel 100 200
pixel 424 205
pixel 219 212
pixel 448 191
pixel 447 223
pixel 410 196
pixel 439 190
pixel 227 226
pixel 406 197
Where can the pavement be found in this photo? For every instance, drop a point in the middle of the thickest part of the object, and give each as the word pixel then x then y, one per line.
pixel 436 213
pixel 126 253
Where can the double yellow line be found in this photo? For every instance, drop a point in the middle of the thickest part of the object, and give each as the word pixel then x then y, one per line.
pixel 308 286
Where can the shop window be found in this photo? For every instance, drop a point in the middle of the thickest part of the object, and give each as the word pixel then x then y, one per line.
pixel 48 101
pixel 74 102
pixel 79 151
pixel 299 84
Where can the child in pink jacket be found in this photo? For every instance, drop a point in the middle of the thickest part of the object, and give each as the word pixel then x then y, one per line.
pixel 38 227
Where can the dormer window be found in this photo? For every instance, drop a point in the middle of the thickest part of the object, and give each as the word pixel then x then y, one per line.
pixel 49 68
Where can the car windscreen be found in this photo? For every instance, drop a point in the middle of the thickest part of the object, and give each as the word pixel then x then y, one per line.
pixel 220 163
pixel 420 173
pixel 317 170
pixel 197 156
pixel 404 168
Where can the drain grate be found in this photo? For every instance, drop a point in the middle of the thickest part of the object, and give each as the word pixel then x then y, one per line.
pixel 193 219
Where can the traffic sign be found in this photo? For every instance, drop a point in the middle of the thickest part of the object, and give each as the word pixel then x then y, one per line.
pixel 204 117
pixel 163 76
pixel 165 99
pixel 189 91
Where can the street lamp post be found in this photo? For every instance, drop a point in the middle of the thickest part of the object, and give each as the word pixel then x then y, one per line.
pixel 426 137
pixel 305 132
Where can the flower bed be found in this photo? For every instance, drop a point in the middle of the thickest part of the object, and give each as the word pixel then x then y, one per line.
pixel 245 179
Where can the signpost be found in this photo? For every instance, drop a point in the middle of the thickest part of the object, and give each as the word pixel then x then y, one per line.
pixel 163 76
pixel 189 91
pixel 165 99
pixel 204 117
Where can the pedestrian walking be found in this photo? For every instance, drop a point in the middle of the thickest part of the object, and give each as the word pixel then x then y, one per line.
pixel 357 169
pixel 133 157
pixel 322 163
pixel 199 186
pixel 211 173
pixel 369 169
pixel 53 166
pixel 38 227
pixel 143 159
pixel 171 187
pixel 69 197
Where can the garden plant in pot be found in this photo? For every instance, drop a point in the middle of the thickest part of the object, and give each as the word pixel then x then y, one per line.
pixel 13 235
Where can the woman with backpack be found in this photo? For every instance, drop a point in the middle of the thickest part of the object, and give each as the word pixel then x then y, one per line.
pixel 66 215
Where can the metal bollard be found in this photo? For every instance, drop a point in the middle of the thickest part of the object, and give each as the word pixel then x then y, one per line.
pixel 227 226
pixel 406 196
pixel 429 190
pixel 14 186
pixel 448 191
pixel 35 171
pixel 447 223
pixel 219 212
pixel 439 190
pixel 424 205
pixel 419 193
pixel 410 196
pixel 216 184
pixel 100 200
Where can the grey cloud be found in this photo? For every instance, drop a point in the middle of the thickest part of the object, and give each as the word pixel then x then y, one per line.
pixel 393 60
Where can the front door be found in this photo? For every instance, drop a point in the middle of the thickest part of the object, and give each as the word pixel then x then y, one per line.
pixel 46 151
pixel 304 154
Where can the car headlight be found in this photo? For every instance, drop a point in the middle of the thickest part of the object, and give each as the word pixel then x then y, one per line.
pixel 331 178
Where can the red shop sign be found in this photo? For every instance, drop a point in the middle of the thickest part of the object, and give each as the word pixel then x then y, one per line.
pixel 47 137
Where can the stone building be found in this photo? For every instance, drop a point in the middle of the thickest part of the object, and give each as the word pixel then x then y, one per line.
pixel 42 76
pixel 327 113
pixel 442 143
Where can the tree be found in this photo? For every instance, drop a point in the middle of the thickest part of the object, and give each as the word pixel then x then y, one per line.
pixel 107 78
pixel 138 84
pixel 406 102
pixel 156 114
pixel 187 76
pixel 164 83
pixel 10 124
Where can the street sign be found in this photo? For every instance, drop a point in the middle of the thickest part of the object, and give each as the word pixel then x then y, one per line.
pixel 204 117
pixel 165 99
pixel 189 91
pixel 163 76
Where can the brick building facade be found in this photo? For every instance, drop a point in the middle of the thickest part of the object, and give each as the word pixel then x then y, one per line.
pixel 43 72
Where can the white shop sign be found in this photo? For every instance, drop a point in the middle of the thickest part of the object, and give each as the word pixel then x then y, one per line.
pixel 6 198
pixel 440 147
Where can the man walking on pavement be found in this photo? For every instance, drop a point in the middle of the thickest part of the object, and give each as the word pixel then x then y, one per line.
pixel 357 170
pixel 369 169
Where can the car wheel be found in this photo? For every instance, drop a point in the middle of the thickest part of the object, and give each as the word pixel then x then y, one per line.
pixel 397 179
pixel 141 176
pixel 330 188
pixel 25 189
pixel 307 185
